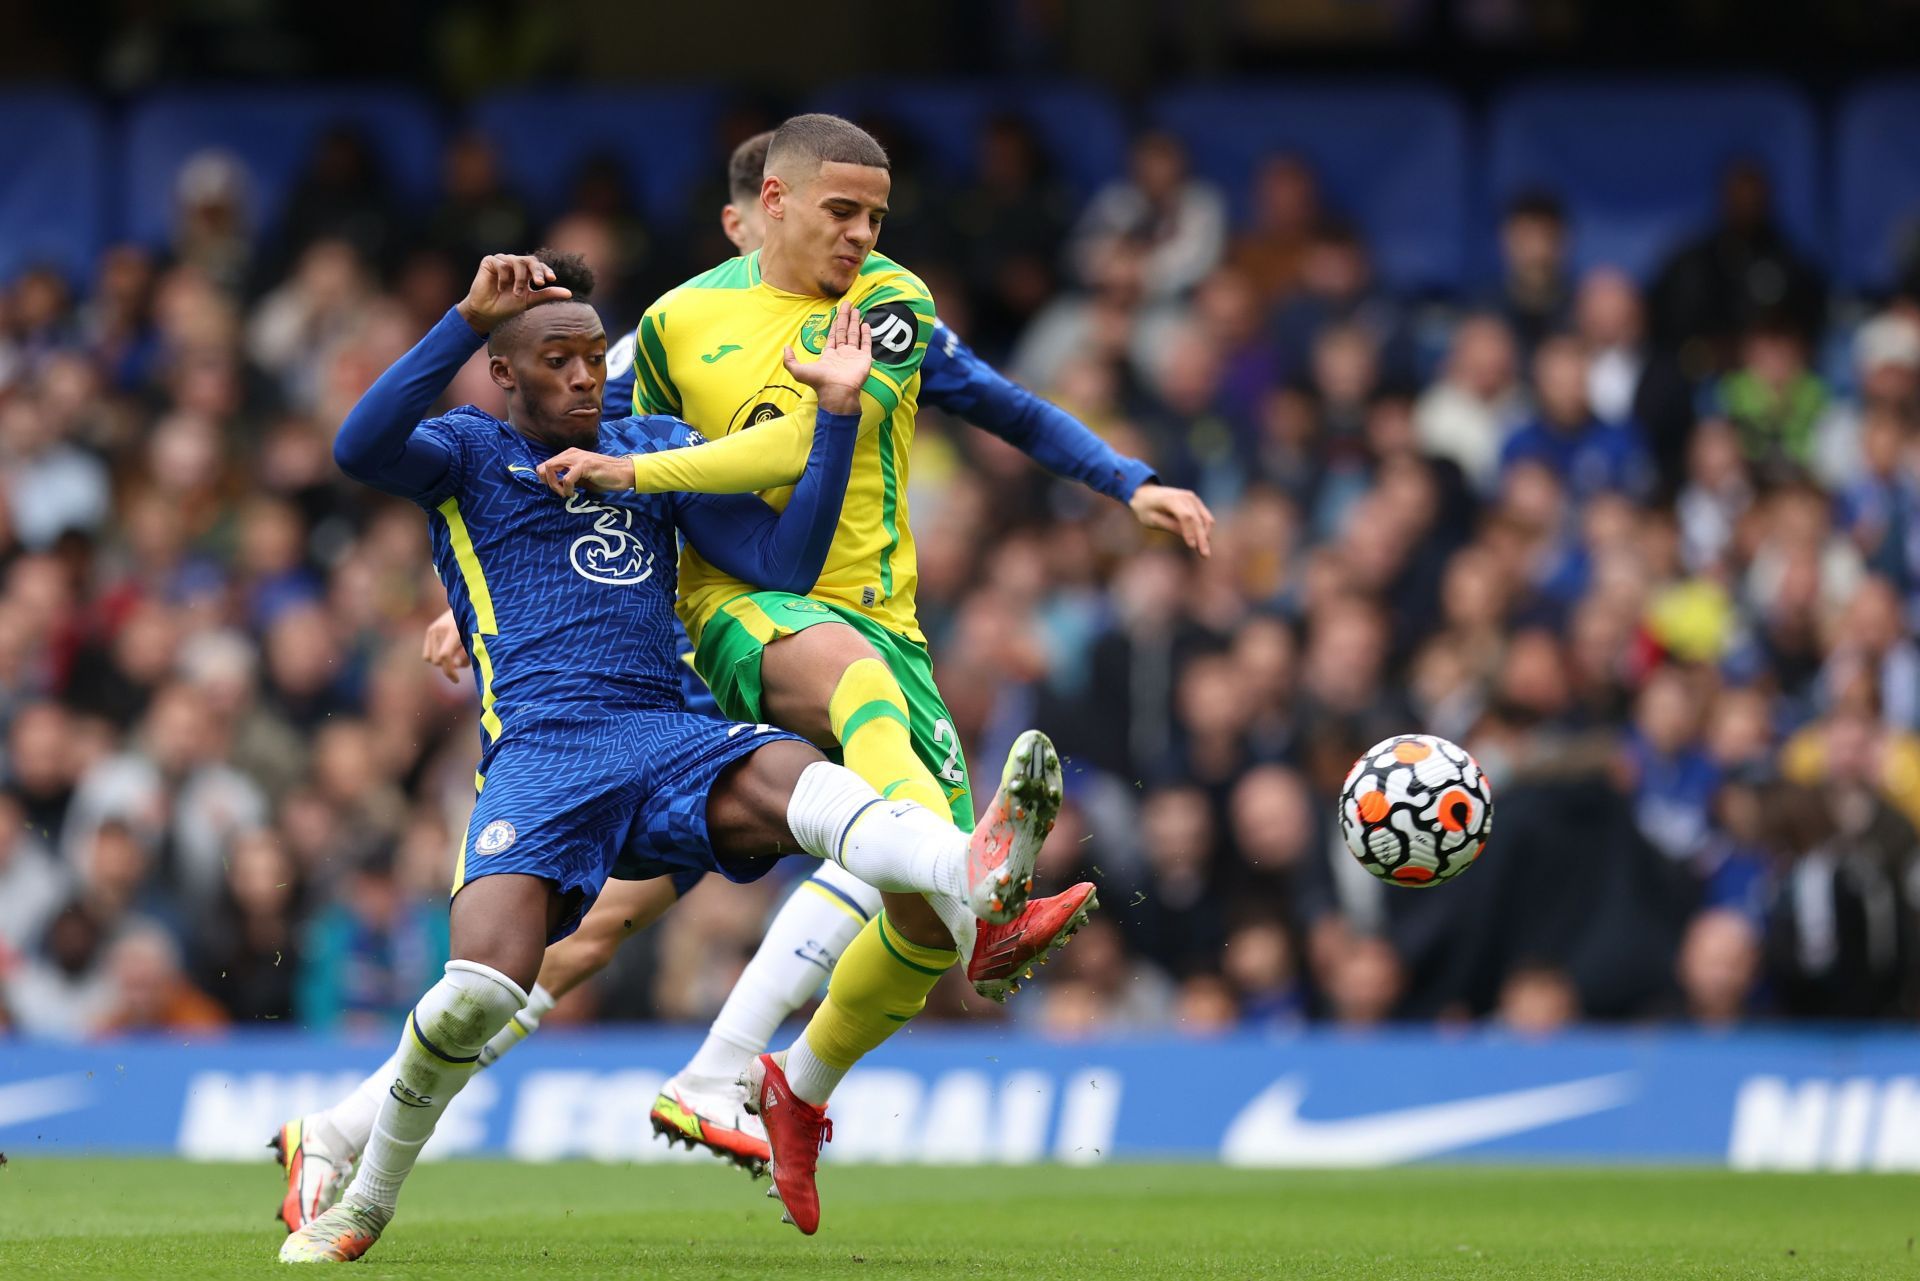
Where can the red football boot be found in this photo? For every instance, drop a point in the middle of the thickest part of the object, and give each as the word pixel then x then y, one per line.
pixel 796 1131
pixel 1004 956
pixel 1006 841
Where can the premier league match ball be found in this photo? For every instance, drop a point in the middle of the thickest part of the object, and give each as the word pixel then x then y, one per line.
pixel 1416 810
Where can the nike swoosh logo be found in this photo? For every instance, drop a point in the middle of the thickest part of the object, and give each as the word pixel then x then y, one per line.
pixel 725 349
pixel 517 467
pixel 23 1101
pixel 1271 1131
pixel 814 954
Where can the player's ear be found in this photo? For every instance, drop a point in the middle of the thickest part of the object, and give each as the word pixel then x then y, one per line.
pixel 733 224
pixel 501 371
pixel 773 196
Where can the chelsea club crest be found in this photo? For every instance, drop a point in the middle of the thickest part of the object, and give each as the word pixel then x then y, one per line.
pixel 496 836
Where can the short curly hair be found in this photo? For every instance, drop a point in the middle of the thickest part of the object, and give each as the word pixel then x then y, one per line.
pixel 570 272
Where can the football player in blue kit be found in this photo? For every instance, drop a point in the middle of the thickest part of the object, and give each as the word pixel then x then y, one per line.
pixel 566 607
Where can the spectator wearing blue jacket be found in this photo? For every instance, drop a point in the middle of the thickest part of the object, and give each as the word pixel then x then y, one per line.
pixel 366 953
pixel 1587 454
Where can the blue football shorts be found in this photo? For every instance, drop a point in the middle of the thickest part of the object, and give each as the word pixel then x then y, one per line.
pixel 620 794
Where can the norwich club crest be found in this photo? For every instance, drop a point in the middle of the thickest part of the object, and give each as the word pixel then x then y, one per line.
pixel 813 331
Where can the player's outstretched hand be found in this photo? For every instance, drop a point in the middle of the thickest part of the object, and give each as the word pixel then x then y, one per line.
pixel 572 470
pixel 1178 511
pixel 441 647
pixel 843 366
pixel 505 286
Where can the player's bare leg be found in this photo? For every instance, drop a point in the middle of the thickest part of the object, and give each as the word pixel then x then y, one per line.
pixel 500 925
pixel 623 909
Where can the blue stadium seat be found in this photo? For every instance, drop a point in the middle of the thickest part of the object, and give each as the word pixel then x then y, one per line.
pixel 1081 129
pixel 1393 158
pixel 1638 163
pixel 1877 173
pixel 272 132
pixel 53 181
pixel 664 137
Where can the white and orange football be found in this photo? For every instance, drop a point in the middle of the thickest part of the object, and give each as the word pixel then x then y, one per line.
pixel 1416 810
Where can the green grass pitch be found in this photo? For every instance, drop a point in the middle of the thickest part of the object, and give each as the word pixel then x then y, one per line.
pixel 99 1217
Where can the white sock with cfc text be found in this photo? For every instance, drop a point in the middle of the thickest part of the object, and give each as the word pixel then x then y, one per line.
pixel 438 1052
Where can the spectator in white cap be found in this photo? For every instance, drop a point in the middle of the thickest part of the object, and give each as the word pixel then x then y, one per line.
pixel 212 227
pixel 1886 363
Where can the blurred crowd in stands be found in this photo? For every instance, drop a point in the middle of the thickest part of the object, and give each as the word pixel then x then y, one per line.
pixel 1649 548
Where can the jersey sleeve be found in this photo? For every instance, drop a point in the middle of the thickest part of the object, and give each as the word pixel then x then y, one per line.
pixel 384 444
pixel 653 389
pixel 955 380
pixel 900 311
pixel 764 457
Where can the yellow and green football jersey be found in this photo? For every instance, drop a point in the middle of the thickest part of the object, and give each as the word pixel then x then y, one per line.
pixel 710 352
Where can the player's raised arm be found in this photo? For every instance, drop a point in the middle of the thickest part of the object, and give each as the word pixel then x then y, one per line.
pixel 378 444
pixel 960 383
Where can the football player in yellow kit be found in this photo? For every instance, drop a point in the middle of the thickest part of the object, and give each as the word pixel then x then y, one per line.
pixel 847 664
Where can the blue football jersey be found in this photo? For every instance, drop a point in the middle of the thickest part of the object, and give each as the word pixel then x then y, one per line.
pixel 567 606
pixel 616 397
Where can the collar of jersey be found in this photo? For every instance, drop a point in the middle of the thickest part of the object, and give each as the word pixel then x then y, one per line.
pixel 773 297
pixel 531 452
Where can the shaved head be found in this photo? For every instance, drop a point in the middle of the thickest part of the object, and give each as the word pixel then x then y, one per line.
pixel 801 145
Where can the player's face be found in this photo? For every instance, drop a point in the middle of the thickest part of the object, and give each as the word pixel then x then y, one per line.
pixel 553 375
pixel 828 223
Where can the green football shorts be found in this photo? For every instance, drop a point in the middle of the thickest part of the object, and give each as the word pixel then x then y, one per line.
pixel 728 660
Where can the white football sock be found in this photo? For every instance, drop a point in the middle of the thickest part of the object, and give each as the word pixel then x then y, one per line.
pixel 812 1078
pixel 808 934
pixel 344 1128
pixel 540 1003
pixel 891 845
pixel 960 922
pixel 438 1052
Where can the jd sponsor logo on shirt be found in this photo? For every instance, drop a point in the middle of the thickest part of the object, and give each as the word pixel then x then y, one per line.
pixel 895 330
